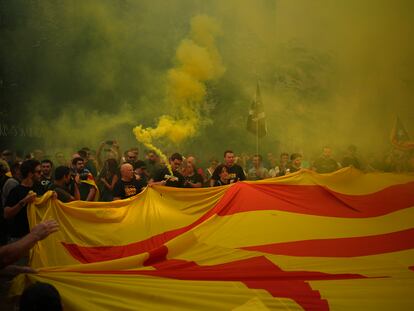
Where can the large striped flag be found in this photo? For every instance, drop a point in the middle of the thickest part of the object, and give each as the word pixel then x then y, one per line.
pixel 340 241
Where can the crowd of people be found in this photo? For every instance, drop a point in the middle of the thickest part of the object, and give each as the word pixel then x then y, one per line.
pixel 109 174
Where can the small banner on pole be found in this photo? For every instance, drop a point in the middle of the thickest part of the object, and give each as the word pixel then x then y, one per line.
pixel 256 122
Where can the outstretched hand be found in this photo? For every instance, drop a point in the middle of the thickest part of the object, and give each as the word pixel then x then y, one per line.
pixel 13 270
pixel 42 230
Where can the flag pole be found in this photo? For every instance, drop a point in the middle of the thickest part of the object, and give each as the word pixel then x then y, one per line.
pixel 257 136
pixel 257 121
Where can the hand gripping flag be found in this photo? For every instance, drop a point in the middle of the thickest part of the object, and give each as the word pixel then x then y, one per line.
pixel 256 121
pixel 339 241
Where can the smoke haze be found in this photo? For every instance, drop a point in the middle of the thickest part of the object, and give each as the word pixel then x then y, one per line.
pixel 331 72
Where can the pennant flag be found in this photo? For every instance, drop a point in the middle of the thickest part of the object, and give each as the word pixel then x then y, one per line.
pixel 339 241
pixel 400 138
pixel 256 122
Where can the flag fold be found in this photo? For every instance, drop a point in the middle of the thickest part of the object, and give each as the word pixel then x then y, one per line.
pixel 305 241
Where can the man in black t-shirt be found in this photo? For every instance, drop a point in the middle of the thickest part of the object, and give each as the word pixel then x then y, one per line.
pixel 152 164
pixel 325 163
pixel 127 186
pixel 45 180
pixel 192 178
pixel 140 171
pixel 61 185
pixel 87 189
pixel 18 198
pixel 163 176
pixel 235 171
pixel 4 169
pixel 350 158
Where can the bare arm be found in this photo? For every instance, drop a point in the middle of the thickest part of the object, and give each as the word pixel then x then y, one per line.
pixel 112 185
pixel 114 181
pixel 116 149
pixel 91 194
pixel 12 252
pixel 11 211
pixel 99 154
pixel 195 185
pixel 156 183
pixel 76 194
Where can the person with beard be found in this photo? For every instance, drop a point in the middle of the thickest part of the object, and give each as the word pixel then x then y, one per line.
pixel 152 163
pixel 86 182
pixel 15 210
pixel 163 176
pixel 46 179
pixel 61 185
pixel 140 171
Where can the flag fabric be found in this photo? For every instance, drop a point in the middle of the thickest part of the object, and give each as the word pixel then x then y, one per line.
pixel 305 241
pixel 400 138
pixel 90 180
pixel 256 121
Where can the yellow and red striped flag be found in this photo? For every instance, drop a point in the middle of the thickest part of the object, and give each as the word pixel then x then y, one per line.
pixel 340 241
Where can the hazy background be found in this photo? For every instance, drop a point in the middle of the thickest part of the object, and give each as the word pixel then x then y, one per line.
pixel 74 73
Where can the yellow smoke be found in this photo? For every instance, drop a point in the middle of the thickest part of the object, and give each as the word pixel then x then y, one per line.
pixel 198 61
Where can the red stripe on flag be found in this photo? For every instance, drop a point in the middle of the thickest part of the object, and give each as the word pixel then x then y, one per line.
pixel 255 273
pixel 342 247
pixel 88 254
pixel 243 197
pixel 316 200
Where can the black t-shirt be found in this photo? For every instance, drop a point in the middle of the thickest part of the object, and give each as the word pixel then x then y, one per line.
pixel 293 169
pixel 219 183
pixel 90 166
pixel 236 173
pixel 325 165
pixel 351 161
pixel 195 178
pixel 3 223
pixel 161 174
pixel 126 189
pixel 84 187
pixel 152 168
pixel 3 180
pixel 18 225
pixel 42 186
pixel 63 193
